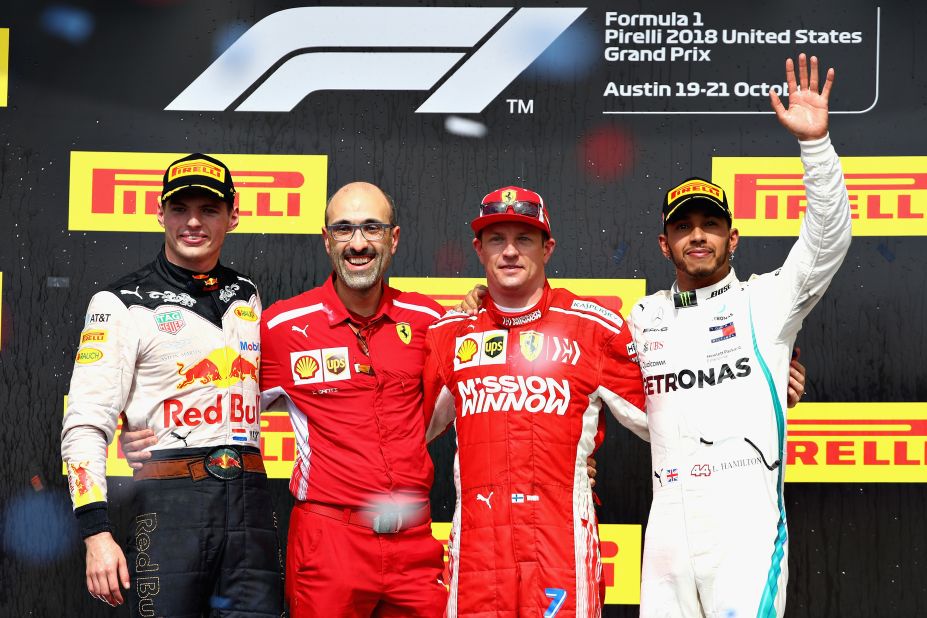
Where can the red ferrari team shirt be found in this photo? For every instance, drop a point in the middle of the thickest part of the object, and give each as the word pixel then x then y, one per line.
pixel 354 394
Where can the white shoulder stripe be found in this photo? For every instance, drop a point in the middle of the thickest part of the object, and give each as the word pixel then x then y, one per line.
pixel 588 317
pixel 455 316
pixel 602 312
pixel 292 314
pixel 419 308
pixel 447 321
pixel 240 278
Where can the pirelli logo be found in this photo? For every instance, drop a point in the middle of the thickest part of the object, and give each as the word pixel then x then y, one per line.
pixel 621 560
pixel 827 443
pixel 120 191
pixel 4 65
pixel 613 294
pixel 888 195
pixel 857 443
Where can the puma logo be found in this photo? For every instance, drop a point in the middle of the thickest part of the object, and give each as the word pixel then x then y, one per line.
pixel 130 292
pixel 301 330
pixel 482 498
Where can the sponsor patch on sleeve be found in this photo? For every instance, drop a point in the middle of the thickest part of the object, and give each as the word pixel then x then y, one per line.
pixel 591 307
pixel 83 488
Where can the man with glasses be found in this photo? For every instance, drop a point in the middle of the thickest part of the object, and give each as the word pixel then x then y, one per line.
pixel 524 381
pixel 347 358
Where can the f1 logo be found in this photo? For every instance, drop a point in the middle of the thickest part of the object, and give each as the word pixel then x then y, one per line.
pixel 309 37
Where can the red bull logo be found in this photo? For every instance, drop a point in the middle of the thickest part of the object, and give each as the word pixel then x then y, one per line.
pixel 177 414
pixel 224 463
pixel 205 371
pixel 218 370
pixel 242 368
pixel 82 486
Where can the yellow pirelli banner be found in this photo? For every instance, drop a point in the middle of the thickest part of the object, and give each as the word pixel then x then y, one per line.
pixel 621 560
pixel 888 195
pixel 120 191
pixel 613 294
pixel 857 443
pixel 4 65
pixel 827 443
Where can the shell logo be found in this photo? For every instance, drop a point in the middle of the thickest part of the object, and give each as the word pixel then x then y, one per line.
pixel 466 350
pixel 306 367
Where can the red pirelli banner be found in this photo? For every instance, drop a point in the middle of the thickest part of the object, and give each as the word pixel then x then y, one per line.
pixel 888 195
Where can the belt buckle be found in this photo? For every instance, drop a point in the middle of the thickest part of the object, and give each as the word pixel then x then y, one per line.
pixel 387 523
pixel 224 463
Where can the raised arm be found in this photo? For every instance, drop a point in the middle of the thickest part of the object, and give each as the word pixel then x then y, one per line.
pixel 807 114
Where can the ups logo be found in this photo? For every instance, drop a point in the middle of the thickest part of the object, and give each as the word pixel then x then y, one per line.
pixel 494 346
pixel 335 364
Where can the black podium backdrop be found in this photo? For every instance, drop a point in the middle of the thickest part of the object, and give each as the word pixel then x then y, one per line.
pixel 599 106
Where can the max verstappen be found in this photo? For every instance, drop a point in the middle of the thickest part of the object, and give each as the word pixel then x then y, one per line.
pixel 175 346
pixel 709 348
pixel 524 381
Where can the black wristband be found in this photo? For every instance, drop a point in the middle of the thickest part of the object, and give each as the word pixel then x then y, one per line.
pixel 92 519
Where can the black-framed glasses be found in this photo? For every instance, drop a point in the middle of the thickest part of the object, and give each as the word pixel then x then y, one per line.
pixel 343 232
pixel 528 209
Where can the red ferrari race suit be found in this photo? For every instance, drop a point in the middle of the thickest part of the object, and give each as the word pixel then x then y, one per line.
pixel 179 353
pixel 525 391
pixel 360 539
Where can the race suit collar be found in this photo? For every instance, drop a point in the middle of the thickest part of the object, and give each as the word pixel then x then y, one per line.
pixel 529 315
pixel 691 298
pixel 338 313
pixel 193 282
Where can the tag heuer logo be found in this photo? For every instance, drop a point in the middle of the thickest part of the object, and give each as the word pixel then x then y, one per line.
pixel 170 322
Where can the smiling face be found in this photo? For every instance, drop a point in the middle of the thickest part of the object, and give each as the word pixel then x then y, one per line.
pixel 360 264
pixel 514 255
pixel 195 225
pixel 699 242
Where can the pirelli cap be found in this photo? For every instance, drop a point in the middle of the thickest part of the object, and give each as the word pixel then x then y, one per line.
pixel 199 171
pixel 512 204
pixel 694 191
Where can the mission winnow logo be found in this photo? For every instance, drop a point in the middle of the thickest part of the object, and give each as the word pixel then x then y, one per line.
pixel 288 55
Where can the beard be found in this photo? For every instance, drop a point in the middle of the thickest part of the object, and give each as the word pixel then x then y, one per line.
pixel 702 270
pixel 361 281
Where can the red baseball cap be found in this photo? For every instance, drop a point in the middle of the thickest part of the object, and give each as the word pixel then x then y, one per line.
pixel 512 204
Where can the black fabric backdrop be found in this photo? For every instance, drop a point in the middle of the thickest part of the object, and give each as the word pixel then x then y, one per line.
pixel 856 549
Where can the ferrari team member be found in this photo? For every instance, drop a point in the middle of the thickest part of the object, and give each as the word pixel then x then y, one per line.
pixel 714 351
pixel 347 359
pixel 524 381
pixel 175 346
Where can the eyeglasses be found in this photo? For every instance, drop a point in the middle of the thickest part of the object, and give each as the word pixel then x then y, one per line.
pixel 528 209
pixel 343 232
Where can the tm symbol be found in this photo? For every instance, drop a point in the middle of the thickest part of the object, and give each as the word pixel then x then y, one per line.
pixel 520 106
